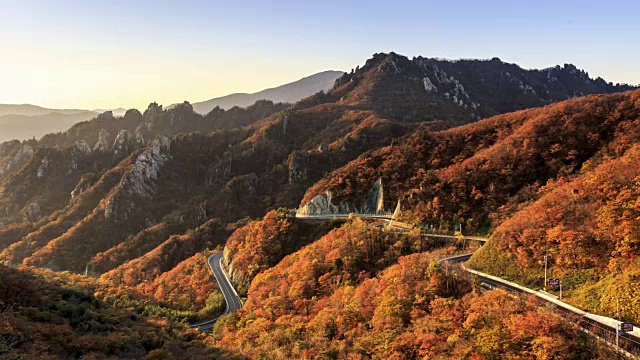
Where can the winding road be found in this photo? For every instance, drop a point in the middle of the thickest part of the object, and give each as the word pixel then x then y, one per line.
pixel 230 295
pixel 600 326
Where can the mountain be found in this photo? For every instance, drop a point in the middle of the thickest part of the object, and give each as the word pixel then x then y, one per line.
pixel 138 202
pixel 33 110
pixel 562 181
pixel 366 293
pixel 115 112
pixel 461 91
pixel 28 126
pixel 118 177
pixel 287 93
pixel 26 121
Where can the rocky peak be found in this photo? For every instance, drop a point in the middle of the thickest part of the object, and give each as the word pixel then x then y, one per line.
pixel 152 111
pixel 133 115
pixel 107 115
pixel 85 183
pixel 185 106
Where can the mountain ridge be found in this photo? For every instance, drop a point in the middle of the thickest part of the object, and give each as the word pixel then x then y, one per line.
pixel 33 110
pixel 460 91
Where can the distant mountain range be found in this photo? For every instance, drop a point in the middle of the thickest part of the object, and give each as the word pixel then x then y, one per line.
pixel 287 93
pixel 25 126
pixel 26 121
pixel 33 110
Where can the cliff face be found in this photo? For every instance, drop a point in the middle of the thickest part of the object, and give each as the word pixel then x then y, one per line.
pixel 13 156
pixel 141 179
pixel 103 141
pixel 324 203
pixel 375 200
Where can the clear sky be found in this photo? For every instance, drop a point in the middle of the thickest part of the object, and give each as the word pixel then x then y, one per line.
pixel 107 54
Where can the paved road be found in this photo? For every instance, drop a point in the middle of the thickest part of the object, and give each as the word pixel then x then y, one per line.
pixel 343 216
pixel 628 342
pixel 230 295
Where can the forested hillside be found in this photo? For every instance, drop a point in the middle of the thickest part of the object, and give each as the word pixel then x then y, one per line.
pixel 357 293
pixel 45 315
pixel 137 203
pixel 560 180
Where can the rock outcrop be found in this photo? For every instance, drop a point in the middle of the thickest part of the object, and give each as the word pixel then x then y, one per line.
pixel 44 166
pixel 32 212
pixel 85 183
pixel 323 204
pixel 79 150
pixel 298 167
pixel 140 181
pixel 23 154
pixel 239 279
pixel 103 141
pixel 375 200
pixel 127 142
pixel 107 115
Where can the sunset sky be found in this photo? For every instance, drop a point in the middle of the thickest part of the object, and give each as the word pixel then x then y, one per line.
pixel 107 54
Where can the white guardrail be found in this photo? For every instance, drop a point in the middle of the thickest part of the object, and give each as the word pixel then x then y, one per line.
pixel 598 318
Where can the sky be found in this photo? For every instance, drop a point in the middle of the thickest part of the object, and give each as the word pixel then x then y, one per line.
pixel 109 54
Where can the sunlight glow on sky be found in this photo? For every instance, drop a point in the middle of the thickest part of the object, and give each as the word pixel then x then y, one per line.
pixel 108 54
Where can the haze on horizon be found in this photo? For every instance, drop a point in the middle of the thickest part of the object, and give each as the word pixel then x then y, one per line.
pixel 89 55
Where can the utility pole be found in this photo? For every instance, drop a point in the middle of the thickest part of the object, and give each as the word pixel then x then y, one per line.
pixel 545 270
pixel 560 289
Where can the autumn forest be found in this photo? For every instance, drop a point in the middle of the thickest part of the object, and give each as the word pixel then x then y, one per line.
pixel 106 230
